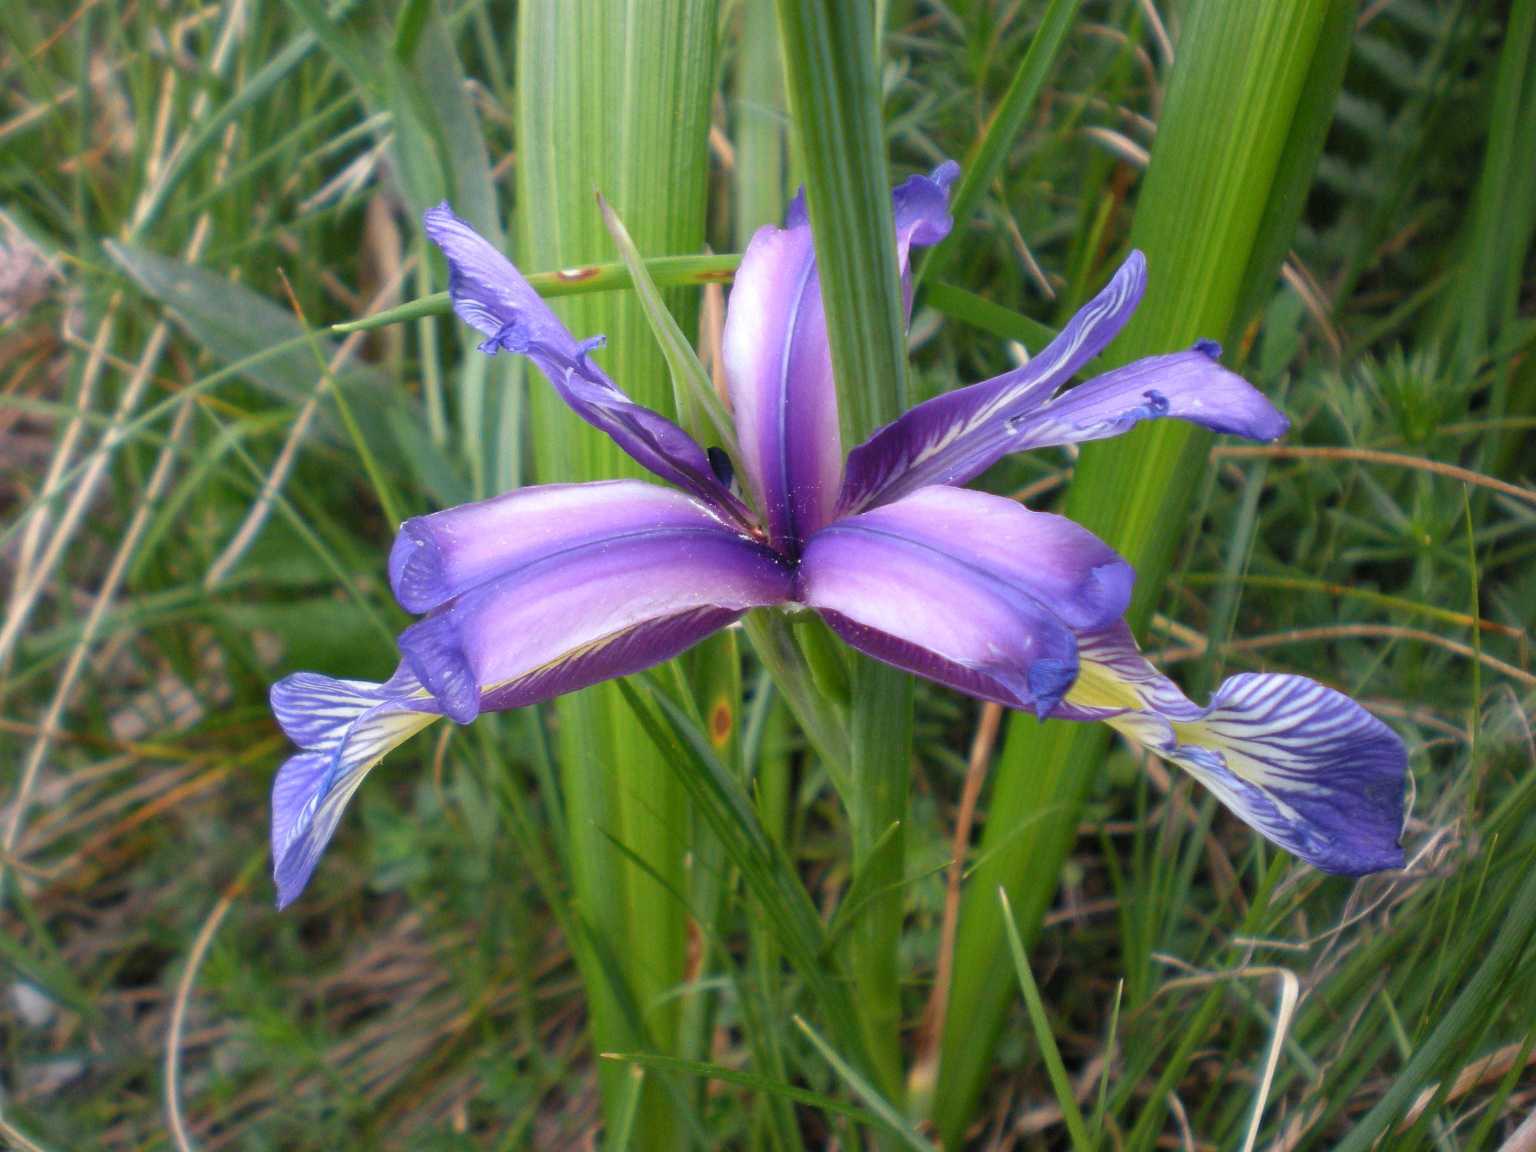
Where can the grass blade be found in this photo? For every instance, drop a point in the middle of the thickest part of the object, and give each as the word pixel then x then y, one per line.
pixel 882 1108
pixel 1061 1083
pixel 986 161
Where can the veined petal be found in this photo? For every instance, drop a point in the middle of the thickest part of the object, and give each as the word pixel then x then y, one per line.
pixel 603 607
pixel 444 554
pixel 779 365
pixel 345 727
pixel 1188 385
pixel 1300 763
pixel 490 295
pixel 967 589
pixel 955 436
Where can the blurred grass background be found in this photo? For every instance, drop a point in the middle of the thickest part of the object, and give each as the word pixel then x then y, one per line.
pixel 199 483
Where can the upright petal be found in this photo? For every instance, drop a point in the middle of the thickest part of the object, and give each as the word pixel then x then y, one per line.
pixel 490 295
pixel 344 727
pixel 779 365
pixel 968 589
pixel 955 437
pixel 557 609
pixel 1302 764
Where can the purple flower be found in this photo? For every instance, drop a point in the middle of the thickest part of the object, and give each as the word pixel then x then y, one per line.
pixel 549 589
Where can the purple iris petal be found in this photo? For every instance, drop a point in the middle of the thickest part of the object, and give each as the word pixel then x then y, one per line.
pixel 490 294
pixel 344 727
pixel 1302 764
pixel 954 437
pixel 967 589
pixel 440 556
pixel 603 607
pixel 779 364
pixel 1186 385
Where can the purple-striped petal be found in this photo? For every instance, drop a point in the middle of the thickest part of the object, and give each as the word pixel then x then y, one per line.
pixel 956 436
pixel 1300 763
pixel 344 727
pixel 779 365
pixel 968 589
pixel 490 295
pixel 442 555
pixel 601 607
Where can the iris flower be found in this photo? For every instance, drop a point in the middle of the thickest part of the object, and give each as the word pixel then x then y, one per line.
pixel 548 589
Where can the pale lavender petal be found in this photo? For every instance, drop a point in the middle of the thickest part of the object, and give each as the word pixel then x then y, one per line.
pixel 626 601
pixel 1190 386
pixel 953 437
pixel 490 294
pixel 1058 564
pixel 1299 762
pixel 955 614
pixel 779 369
pixel 442 555
pixel 345 727
pixel 779 365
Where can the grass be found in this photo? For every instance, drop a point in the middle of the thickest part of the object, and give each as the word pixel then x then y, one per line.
pixel 199 480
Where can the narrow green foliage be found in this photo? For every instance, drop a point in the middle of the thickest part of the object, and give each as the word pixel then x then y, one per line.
pixel 1444 1049
pixel 986 160
pixel 833 87
pixel 724 1075
pixel 723 802
pixel 832 84
pixel 1061 1083
pixel 701 411
pixel 888 1114
pixel 1198 220
pixel 616 103
pixel 665 271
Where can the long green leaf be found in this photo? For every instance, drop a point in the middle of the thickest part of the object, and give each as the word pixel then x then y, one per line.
pixel 1200 220
pixel 770 876
pixel 616 98
pixel 665 271
pixel 832 81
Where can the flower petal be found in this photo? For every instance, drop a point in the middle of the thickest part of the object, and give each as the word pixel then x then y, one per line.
pixel 490 294
pixel 442 555
pixel 1302 764
pixel 345 727
pixel 605 606
pixel 955 436
pixel 967 589
pixel 1188 385
pixel 779 365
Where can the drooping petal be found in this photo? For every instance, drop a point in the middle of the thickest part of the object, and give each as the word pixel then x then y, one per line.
pixel 779 365
pixel 490 295
pixel 441 555
pixel 1297 761
pixel 595 608
pixel 968 589
pixel 953 437
pixel 344 727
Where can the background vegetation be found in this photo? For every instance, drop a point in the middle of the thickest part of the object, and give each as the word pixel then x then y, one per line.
pixel 200 480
